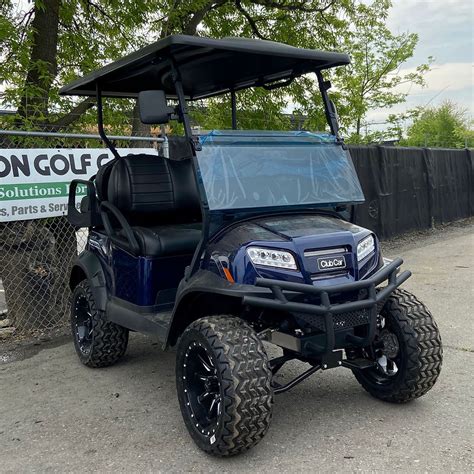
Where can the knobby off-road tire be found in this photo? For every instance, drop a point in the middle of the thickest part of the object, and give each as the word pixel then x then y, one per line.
pixel 242 384
pixel 106 341
pixel 420 349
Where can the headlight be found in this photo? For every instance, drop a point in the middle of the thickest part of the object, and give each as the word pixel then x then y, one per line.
pixel 365 247
pixel 271 258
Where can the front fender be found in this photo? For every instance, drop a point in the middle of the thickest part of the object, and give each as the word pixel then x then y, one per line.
pixel 207 294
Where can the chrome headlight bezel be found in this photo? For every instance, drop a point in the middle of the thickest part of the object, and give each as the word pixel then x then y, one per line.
pixel 274 258
pixel 365 247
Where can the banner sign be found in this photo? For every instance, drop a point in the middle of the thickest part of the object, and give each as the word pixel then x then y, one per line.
pixel 34 183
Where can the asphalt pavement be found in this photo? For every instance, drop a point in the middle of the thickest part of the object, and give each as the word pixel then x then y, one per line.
pixel 58 416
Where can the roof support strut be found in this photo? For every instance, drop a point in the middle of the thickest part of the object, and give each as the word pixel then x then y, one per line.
pixel 100 123
pixel 331 115
pixel 195 146
pixel 233 102
pixel 182 107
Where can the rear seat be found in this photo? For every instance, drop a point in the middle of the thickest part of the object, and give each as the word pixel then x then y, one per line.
pixel 159 199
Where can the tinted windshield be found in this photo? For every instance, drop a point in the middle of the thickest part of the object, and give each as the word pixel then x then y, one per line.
pixel 242 170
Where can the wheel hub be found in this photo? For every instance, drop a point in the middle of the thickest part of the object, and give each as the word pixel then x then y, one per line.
pixel 211 384
pixel 83 323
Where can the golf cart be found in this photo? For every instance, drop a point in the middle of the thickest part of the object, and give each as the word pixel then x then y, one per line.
pixel 235 241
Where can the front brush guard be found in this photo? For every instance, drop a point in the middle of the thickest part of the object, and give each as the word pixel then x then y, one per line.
pixel 283 292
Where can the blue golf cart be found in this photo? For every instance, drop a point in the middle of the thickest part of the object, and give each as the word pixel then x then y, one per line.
pixel 237 241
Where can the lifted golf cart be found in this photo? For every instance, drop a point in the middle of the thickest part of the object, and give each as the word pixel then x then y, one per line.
pixel 240 237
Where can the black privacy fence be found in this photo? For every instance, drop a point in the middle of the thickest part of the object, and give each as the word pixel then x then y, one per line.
pixel 410 189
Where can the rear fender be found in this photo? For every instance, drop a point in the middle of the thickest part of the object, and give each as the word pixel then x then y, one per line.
pixel 88 267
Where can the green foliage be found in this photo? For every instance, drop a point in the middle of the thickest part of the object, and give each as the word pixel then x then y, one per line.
pixel 92 33
pixel 373 79
pixel 257 109
pixel 445 126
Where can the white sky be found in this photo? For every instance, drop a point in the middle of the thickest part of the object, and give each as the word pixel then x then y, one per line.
pixel 445 30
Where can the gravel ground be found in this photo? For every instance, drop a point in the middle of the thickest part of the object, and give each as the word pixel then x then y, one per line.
pixel 58 416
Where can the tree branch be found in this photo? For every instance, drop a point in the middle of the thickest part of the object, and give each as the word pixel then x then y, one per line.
pixel 250 20
pixel 293 6
pixel 330 29
pixel 26 18
pixel 386 68
pixel 165 29
pixel 198 16
pixel 110 18
pixel 72 115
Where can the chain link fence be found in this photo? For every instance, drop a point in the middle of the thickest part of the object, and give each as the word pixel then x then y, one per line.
pixel 36 255
pixel 35 262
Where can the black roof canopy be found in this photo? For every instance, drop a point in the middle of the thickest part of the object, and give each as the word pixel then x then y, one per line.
pixel 207 67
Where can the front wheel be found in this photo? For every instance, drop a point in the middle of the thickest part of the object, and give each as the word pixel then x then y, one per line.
pixel 224 385
pixel 407 350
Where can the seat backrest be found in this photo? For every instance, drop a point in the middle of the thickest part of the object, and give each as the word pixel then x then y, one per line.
pixel 150 189
pixel 102 180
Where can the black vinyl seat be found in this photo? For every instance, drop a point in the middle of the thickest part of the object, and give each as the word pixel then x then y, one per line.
pixel 166 240
pixel 159 201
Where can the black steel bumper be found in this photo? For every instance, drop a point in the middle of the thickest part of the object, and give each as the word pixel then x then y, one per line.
pixel 284 292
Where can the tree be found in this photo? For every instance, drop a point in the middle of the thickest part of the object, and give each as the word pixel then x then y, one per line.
pixel 372 80
pixel 83 34
pixel 55 41
pixel 444 126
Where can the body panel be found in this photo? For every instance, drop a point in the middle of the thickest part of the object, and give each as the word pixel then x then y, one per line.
pixel 299 234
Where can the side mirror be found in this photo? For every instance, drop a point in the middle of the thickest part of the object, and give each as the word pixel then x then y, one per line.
pixel 153 107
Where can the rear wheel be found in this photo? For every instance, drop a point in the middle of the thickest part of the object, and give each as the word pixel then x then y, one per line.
pixel 224 385
pixel 407 349
pixel 98 342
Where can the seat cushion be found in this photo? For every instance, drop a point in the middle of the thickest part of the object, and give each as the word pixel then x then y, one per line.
pixel 167 240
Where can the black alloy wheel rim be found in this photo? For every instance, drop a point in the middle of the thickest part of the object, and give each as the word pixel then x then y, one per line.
pixel 83 323
pixel 202 389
